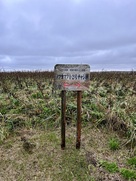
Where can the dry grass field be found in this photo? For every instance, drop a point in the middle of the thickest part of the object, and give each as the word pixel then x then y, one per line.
pixel 30 114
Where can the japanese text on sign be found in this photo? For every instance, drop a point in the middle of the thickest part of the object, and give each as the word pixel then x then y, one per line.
pixel 72 76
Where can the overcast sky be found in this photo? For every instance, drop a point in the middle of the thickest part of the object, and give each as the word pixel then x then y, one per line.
pixel 37 34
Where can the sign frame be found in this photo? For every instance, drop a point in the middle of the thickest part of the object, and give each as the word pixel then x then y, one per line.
pixel 72 77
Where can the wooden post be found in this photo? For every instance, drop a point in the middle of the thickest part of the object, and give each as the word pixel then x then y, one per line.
pixel 63 118
pixel 78 137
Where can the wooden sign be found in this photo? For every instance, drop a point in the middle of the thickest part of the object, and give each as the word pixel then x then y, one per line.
pixel 72 77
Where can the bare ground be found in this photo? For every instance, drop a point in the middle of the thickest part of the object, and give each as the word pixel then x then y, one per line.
pixel 47 161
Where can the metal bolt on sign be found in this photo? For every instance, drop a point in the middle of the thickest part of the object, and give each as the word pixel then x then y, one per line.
pixel 71 77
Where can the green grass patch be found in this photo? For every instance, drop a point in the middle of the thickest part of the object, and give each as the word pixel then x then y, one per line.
pixel 113 144
pixel 128 174
pixel 132 161
pixel 110 166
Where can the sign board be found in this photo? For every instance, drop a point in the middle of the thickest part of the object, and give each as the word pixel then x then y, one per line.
pixel 72 77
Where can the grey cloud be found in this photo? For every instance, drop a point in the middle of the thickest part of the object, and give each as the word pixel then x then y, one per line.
pixel 40 33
